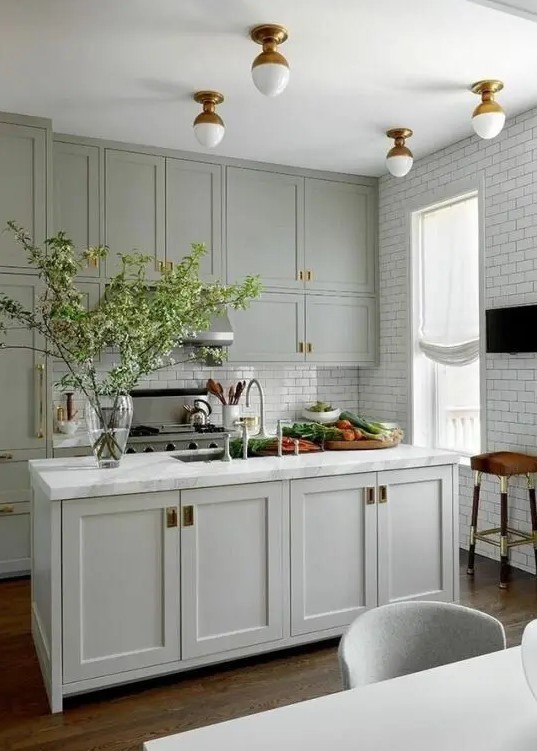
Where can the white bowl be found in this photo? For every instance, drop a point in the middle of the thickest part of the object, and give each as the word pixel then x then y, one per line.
pixel 322 417
pixel 68 426
pixel 529 655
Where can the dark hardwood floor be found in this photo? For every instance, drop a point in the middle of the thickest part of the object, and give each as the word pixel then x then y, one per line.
pixel 121 719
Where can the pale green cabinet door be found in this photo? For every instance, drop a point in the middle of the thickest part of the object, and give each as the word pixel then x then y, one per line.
pixel 23 188
pixel 23 376
pixel 270 330
pixel 134 207
pixel 340 329
pixel 265 227
pixel 194 213
pixel 76 196
pixel 340 229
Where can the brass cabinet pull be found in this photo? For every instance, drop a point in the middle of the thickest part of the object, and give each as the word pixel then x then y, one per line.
pixel 92 262
pixel 309 276
pixel 40 431
pixel 169 265
pixel 160 266
pixel 6 457
pixel 309 348
pixel 171 516
pixel 301 348
pixel 7 508
pixel 383 494
pixel 188 516
pixel 300 276
pixel 369 495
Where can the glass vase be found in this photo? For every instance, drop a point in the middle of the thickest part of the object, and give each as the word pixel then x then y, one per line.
pixel 108 420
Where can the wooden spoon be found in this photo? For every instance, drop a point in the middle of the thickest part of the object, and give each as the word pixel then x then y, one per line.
pixel 231 395
pixel 214 389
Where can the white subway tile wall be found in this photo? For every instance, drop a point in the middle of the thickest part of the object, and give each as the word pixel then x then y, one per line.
pixel 507 167
pixel 288 388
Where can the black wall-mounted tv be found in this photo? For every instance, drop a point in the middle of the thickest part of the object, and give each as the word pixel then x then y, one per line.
pixel 512 329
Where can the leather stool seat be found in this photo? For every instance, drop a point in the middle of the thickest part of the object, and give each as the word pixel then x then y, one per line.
pixel 504 463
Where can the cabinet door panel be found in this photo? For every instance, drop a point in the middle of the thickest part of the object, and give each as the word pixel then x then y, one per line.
pixel 14 539
pixel 333 552
pixel 24 412
pixel 265 227
pixel 270 330
pixel 231 568
pixel 76 196
pixel 120 585
pixel 340 236
pixel 341 329
pixel 416 535
pixel 134 207
pixel 194 213
pixel 23 188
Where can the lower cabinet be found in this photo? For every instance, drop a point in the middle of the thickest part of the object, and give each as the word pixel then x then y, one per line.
pixel 231 567
pixel 120 584
pixel 165 581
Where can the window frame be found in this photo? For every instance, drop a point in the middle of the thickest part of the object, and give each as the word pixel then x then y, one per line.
pixel 445 196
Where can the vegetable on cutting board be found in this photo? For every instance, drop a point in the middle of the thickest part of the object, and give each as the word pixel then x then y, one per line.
pixel 269 447
pixel 368 428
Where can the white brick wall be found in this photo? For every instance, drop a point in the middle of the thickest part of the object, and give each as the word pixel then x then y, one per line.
pixel 287 388
pixel 507 167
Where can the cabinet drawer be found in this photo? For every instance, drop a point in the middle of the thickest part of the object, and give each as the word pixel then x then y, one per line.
pixel 14 539
pixel 15 477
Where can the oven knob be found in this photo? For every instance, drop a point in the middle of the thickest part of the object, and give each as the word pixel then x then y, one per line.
pixel 130 451
pixel 148 449
pixel 213 445
pixel 192 445
pixel 170 447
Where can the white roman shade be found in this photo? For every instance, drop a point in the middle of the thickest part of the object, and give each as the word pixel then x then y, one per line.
pixel 449 279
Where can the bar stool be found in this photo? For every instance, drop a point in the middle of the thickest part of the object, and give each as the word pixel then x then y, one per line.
pixel 504 464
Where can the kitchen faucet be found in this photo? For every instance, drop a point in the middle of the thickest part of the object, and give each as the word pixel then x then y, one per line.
pixel 262 432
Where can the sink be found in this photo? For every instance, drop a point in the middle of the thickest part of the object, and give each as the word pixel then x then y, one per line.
pixel 198 455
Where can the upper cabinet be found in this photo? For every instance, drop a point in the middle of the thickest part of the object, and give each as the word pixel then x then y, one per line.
pixel 23 188
pixel 134 208
pixel 340 236
pixel 341 329
pixel 76 196
pixel 194 213
pixel 265 227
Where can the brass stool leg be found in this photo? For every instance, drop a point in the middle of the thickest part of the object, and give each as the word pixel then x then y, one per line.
pixel 473 523
pixel 504 550
pixel 533 510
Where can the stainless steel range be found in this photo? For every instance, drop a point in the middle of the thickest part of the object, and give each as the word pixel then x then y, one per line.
pixel 174 420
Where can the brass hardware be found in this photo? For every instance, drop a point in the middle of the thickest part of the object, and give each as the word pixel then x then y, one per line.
pixel 309 276
pixel 7 508
pixel 40 433
pixel 92 262
pixel 309 348
pixel 515 537
pixel 504 481
pixel 188 516
pixel 486 90
pixel 300 276
pixel 171 516
pixel 399 135
pixel 269 35
pixel 6 457
pixel 209 100
pixel 161 266
pixel 503 546
pixel 383 494
pixel 531 481
pixel 169 265
pixel 477 477
pixel 472 535
pixel 301 348
pixel 369 495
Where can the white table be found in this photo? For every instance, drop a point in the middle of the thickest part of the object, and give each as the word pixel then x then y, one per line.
pixel 482 704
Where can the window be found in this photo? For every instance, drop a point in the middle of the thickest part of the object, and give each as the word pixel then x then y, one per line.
pixel 446 372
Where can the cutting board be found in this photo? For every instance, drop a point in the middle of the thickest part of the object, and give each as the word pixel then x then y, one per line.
pixel 359 445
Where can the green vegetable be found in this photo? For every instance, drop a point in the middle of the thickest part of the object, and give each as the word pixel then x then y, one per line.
pixel 313 431
pixel 320 407
pixel 255 446
pixel 373 428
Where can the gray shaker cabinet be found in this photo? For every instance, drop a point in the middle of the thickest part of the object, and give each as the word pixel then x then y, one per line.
pixel 194 213
pixel 340 329
pixel 23 188
pixel 339 236
pixel 134 208
pixel 77 196
pixel 265 227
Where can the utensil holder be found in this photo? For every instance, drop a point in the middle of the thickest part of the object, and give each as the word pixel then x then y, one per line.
pixel 230 413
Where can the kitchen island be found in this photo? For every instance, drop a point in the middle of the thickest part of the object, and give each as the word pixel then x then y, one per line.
pixel 161 566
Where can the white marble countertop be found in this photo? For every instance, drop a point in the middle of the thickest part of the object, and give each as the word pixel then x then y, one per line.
pixel 62 479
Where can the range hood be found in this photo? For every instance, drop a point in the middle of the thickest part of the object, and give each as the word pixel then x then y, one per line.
pixel 220 334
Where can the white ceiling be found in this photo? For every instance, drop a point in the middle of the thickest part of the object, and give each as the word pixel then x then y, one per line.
pixel 125 70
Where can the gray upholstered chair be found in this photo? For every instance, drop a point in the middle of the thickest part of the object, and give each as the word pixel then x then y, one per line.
pixel 407 637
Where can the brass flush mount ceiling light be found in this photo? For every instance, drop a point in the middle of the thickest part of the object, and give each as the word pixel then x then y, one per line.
pixel 488 118
pixel 399 158
pixel 208 125
pixel 270 69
